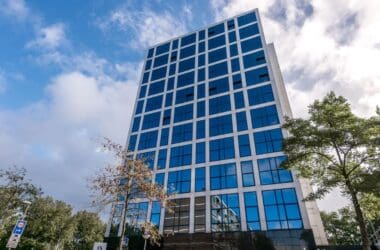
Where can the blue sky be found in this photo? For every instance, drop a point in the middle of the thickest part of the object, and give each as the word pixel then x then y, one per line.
pixel 69 71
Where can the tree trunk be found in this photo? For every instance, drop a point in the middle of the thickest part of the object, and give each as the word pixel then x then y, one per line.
pixel 359 217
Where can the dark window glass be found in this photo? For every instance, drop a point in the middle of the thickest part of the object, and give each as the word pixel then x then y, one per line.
pixel 148 140
pixel 164 137
pixel 265 116
pixel 268 141
pixel 239 100
pixel 158 73
pixel 260 95
pixel 231 24
pixel 201 60
pixel 233 50
pixel 201 91
pixel 220 125
pixel 183 113
pixel 200 179
pixel 201 74
pixel 241 120
pixel 136 124
pixel 145 77
pixel 215 30
pixel 247 173
pixel 257 76
pixel 251 211
pixel 150 52
pixel 182 133
pixel 236 81
pixel 186 64
pixel 180 156
pixel 201 47
pixel 248 18
pixel 217 55
pixel 271 171
pixel 235 66
pixel 175 44
pixel 155 214
pixel 223 176
pixel 178 220
pixel 147 158
pixel 216 42
pixel 139 107
pixel 185 79
pixel 179 181
pixel 161 161
pixel 173 57
pixel 219 104
pixel 201 129
pixel 249 31
pixel 281 209
pixel 202 35
pixel 151 120
pixel 169 99
pixel 188 39
pixel 166 118
pixel 156 87
pixel 160 179
pixel 170 83
pixel 188 51
pixel 132 143
pixel 160 60
pixel 142 91
pixel 251 44
pixel 218 86
pixel 244 146
pixel 222 149
pixel 148 64
pixel 217 70
pixel 201 109
pixel 172 69
pixel 162 48
pixel 153 103
pixel 232 36
pixel 200 152
pixel 225 213
pixel 184 95
pixel 254 59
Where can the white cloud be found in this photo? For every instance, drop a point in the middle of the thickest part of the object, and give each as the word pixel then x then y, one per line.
pixel 49 37
pixel 14 8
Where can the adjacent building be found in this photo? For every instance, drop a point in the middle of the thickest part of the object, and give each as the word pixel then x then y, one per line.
pixel 208 118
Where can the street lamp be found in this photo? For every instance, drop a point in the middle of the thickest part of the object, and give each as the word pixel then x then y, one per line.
pixel 28 203
pixel 146 236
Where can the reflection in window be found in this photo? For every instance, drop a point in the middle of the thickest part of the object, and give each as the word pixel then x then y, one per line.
pixel 178 222
pixel 200 152
pixel 219 104
pixel 222 149
pixel 200 214
pixel 265 116
pixel 268 141
pixel 271 172
pixel 148 140
pixel 244 146
pixel 251 211
pixel 220 125
pixel 225 213
pixel 260 95
pixel 247 173
pixel 160 179
pixel 223 176
pixel 136 213
pixel 200 180
pixel 179 181
pixel 180 156
pixel 182 133
pixel 155 213
pixel 148 158
pixel 161 161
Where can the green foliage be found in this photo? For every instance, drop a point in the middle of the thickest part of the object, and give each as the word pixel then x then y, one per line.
pixel 262 242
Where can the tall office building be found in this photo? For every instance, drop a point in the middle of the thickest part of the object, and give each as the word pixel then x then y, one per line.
pixel 208 118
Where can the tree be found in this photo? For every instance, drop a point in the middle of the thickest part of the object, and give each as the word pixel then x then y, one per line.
pixel 336 149
pixel 124 182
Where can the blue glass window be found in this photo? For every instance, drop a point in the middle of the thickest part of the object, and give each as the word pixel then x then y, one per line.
pixel 217 55
pixel 202 35
pixel 247 173
pixel 249 31
pixel 281 209
pixel 257 76
pixel 235 66
pixel 201 60
pixel 139 106
pixel 158 73
pixel 231 24
pixel 201 91
pixel 219 104
pixel 132 142
pixel 175 44
pixel 241 121
pixel 218 69
pixel 155 213
pixel 188 39
pixel 225 213
pixel 173 57
pixel 201 47
pixel 137 213
pixel 260 95
pixel 147 158
pixel 184 95
pixel 265 116
pixel 254 59
pixel 232 37
pixel 251 44
pixel 220 125
pixel 251 211
pixel 150 52
pixel 215 30
pixel 244 146
pixel 201 129
pixel 156 87
pixel 218 86
pixel 179 181
pixel 201 109
pixel 136 124
pixel 186 64
pixel 148 140
pixel 161 161
pixel 248 18
pixel 239 100
pixel 170 83
pixel 233 50
pixel 223 176
pixel 222 149
pixel 162 48
pixel 153 103
pixel 268 141
pixel 180 156
pixel 271 171
pixel 200 152
pixel 145 77
pixel 166 118
pixel 148 64
pixel 200 179
pixel 172 69
pixel 142 91
pixel 169 99
pixel 182 133
pixel 151 120
pixel 201 74
pixel 236 81
pixel 164 137
pixel 185 79
pixel 188 51
pixel 216 42
pixel 160 179
pixel 160 60
pixel 183 113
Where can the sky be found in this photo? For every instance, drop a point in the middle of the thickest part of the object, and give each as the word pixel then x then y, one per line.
pixel 69 72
